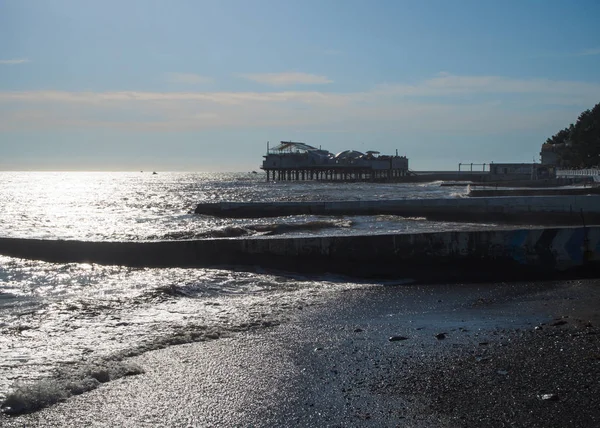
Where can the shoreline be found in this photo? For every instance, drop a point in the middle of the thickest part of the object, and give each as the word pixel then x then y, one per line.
pixel 333 364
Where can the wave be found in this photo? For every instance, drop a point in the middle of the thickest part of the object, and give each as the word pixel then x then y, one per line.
pixel 6 295
pixel 253 230
pixel 431 184
pixel 77 379
pixel 464 194
pixel 398 218
pixel 281 228
pixel 225 232
pixel 28 398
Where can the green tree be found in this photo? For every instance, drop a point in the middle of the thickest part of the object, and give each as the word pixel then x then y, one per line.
pixel 578 146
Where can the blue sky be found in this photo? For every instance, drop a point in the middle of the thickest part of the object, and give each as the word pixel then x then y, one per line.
pixel 203 85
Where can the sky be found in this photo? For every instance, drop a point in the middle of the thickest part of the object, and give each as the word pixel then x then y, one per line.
pixel 202 85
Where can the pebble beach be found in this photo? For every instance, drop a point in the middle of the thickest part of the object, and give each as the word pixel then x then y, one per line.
pixel 432 356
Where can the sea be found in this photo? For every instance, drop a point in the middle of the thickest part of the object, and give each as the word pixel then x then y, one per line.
pixel 67 328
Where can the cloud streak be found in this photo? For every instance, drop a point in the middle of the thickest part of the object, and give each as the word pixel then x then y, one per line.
pixel 447 85
pixel 188 78
pixel 589 52
pixel 494 104
pixel 14 61
pixel 286 79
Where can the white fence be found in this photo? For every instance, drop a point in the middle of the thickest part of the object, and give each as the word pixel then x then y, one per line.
pixel 574 173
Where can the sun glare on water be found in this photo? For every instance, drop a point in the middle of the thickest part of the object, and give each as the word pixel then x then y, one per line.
pixel 63 201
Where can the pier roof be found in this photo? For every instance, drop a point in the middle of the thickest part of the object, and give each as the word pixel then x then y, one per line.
pixel 349 154
pixel 292 146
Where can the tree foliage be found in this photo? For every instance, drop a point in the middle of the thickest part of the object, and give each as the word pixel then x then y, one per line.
pixel 578 146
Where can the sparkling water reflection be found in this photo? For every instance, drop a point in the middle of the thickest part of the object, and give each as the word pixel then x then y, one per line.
pixel 58 320
pixel 130 206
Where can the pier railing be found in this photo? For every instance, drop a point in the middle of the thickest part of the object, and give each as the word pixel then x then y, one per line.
pixel 574 173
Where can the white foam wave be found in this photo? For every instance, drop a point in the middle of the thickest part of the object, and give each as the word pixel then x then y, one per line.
pixel 26 398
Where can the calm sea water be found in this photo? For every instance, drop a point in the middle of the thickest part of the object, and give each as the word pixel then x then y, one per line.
pixel 66 327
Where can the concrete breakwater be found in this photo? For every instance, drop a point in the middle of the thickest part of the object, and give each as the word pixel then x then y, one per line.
pixel 534 192
pixel 490 255
pixel 565 210
pixel 546 182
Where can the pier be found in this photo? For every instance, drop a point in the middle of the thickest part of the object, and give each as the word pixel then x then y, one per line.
pixel 333 173
pixel 295 161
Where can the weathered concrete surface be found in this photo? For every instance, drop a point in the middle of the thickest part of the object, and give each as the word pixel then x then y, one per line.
pixel 441 256
pixel 534 192
pixel 545 182
pixel 540 183
pixel 431 176
pixel 519 210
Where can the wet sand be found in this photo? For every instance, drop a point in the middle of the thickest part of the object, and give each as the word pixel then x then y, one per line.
pixel 525 354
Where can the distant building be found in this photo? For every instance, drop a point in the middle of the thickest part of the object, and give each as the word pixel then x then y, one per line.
pixel 512 168
pixel 520 171
pixel 298 161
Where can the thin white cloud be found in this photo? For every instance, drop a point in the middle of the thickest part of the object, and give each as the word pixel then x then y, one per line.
pixel 447 85
pixel 14 61
pixel 496 104
pixel 287 79
pixel 408 117
pixel 188 78
pixel 588 52
pixel 570 54
pixel 218 98
pixel 442 86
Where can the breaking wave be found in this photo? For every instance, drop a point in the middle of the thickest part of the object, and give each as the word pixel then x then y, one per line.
pixel 225 232
pixel 431 184
pixel 279 229
pixel 75 380
pixel 255 230
pixel 26 398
